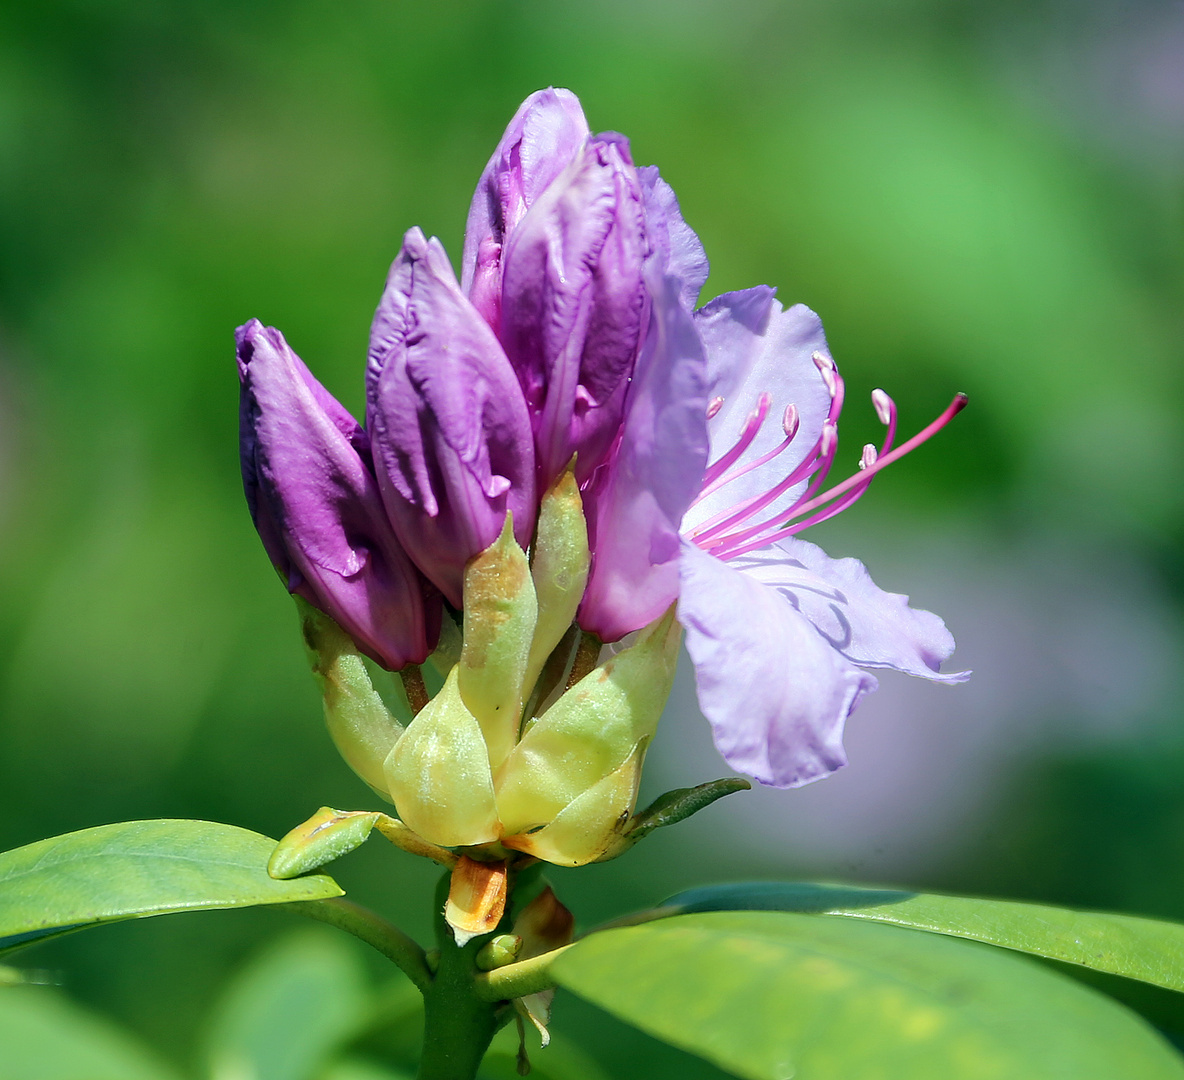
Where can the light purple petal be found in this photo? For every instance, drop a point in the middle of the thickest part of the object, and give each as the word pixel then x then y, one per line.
pixel 754 347
pixel 637 498
pixel 868 626
pixel 547 130
pixel 675 246
pixel 775 692
pixel 317 507
pixel 574 305
pixel 449 429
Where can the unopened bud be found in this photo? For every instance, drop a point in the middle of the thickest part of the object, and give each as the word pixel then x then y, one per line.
pixel 500 613
pixel 439 775
pixel 498 952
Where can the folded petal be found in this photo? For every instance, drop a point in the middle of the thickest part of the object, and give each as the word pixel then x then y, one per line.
pixel 774 690
pixel 868 626
pixel 575 305
pixel 637 498
pixel 317 506
pixel 754 346
pixel 674 245
pixel 448 424
pixel 547 130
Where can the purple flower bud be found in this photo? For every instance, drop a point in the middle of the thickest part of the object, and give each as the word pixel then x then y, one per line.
pixel 575 305
pixel 448 424
pixel 547 130
pixel 314 499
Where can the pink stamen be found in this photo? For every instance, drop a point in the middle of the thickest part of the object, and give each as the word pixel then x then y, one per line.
pixel 886 410
pixel 819 458
pixel 747 433
pixel 789 424
pixel 839 497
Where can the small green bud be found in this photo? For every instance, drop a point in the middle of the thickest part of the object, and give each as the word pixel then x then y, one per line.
pixel 499 620
pixel 559 565
pixel 360 725
pixel 325 836
pixel 439 775
pixel 498 952
pixel 590 732
pixel 432 959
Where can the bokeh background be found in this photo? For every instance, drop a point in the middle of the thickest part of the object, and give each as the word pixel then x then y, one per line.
pixel 983 197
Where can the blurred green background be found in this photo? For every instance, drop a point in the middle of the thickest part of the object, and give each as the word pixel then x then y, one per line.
pixel 977 197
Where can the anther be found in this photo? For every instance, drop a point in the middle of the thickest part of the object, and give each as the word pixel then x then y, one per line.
pixel 826 368
pixel 714 406
pixel 885 406
pixel 829 440
pixel 790 421
pixel 868 458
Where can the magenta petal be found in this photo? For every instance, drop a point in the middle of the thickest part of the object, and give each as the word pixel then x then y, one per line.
pixel 448 424
pixel 547 130
pixel 868 626
pixel 636 500
pixel 775 692
pixel 317 507
pixel 753 347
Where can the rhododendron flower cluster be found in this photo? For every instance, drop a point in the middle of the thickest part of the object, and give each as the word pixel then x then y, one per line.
pixel 696 443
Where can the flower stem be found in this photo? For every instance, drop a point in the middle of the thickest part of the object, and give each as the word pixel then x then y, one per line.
pixel 374 930
pixel 458 1025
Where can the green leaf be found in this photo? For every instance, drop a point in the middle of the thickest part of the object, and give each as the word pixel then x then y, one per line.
pixel 769 995
pixel 45 1037
pixel 134 869
pixel 289 1010
pixel 1137 948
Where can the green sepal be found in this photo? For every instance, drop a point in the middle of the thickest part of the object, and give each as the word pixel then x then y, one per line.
pixel 439 775
pixel 589 732
pixel 673 807
pixel 500 612
pixel 360 725
pixel 559 562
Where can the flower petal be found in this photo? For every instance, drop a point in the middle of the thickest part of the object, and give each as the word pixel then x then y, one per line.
pixel 775 692
pixel 317 507
pixel 547 130
pixel 448 425
pixel 675 246
pixel 636 499
pixel 868 626
pixel 753 347
pixel 575 305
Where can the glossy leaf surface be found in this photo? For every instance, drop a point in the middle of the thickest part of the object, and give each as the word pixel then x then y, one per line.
pixel 1147 949
pixel 135 869
pixel 770 995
